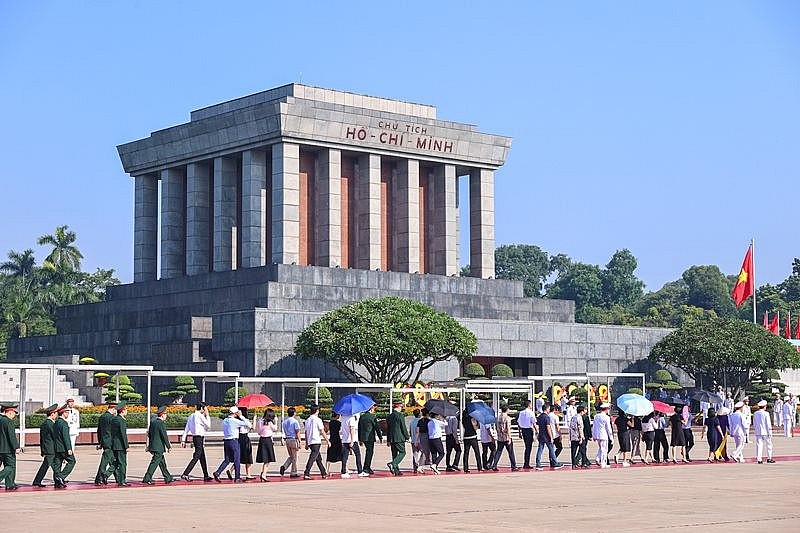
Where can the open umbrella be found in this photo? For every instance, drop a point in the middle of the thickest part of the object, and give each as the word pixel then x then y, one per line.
pixel 662 407
pixel 254 400
pixel 352 404
pixel 481 412
pixel 635 404
pixel 441 407
pixel 705 396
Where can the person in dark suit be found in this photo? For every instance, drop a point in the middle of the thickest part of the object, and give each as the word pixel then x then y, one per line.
pixel 396 437
pixel 119 444
pixel 107 463
pixel 157 445
pixel 368 430
pixel 64 457
pixel 8 446
pixel 47 446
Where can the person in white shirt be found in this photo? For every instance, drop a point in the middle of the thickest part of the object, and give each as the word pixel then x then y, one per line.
pixel 763 430
pixel 539 405
pixel 74 422
pixel 198 424
pixel 777 411
pixel 436 428
pixel 788 417
pixel 488 445
pixel 315 433
pixel 602 434
pixel 737 432
pixel 747 418
pixel 349 433
pixel 452 444
pixel 564 402
pixel 570 411
pixel 728 402
pixel 555 426
pixel 526 419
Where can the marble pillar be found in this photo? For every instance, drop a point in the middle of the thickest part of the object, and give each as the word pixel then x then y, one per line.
pixel 145 228
pixel 254 198
pixel 198 218
pixel 225 229
pixel 285 203
pixel 481 223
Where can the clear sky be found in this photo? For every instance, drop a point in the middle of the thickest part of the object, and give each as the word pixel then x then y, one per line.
pixel 669 128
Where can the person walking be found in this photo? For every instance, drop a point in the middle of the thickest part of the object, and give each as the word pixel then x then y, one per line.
pixel 265 454
pixel 422 441
pixel 649 424
pixel 555 424
pixel 737 432
pixel 291 435
pixel 488 445
pixel 624 423
pixel 8 447
pixel 119 444
pixel 231 426
pixel 350 445
pixel 747 418
pixel 396 437
pixel 158 444
pixel 368 431
pixel 62 444
pixel 661 442
pixel 788 417
pixel 688 434
pixel 452 444
pixel 526 419
pixel 470 441
pixel 106 467
pixel 335 448
pixel 315 434
pixel 576 439
pixel 587 435
pixel 763 431
pixel 504 440
pixel 677 435
pixel 197 425
pixel 74 422
pixel 602 434
pixel 636 438
pixel 245 448
pixel 713 434
pixel 47 446
pixel 721 453
pixel 546 437
pixel 436 427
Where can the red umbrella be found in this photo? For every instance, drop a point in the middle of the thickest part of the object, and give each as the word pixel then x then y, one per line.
pixel 663 407
pixel 254 400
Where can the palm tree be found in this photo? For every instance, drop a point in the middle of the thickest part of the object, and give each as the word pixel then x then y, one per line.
pixel 64 256
pixel 19 265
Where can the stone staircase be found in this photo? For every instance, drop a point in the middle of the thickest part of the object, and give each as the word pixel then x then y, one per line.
pixel 37 387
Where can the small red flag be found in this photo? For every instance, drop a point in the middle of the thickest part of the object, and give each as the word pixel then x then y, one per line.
pixel 766 322
pixel 774 325
pixel 788 330
pixel 797 329
pixel 744 283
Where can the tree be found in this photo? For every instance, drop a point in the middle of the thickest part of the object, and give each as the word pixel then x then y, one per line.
pixel 386 340
pixel 502 370
pixel 321 395
pixel 126 389
pixel 725 350
pixel 65 256
pixel 19 264
pixel 708 288
pixel 230 394
pixel 475 371
pixel 524 262
pixel 183 385
pixel 620 285
pixel 581 283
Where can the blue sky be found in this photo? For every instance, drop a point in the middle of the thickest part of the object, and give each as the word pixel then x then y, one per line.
pixel 671 129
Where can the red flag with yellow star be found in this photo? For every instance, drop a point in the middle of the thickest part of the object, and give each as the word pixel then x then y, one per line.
pixel 744 283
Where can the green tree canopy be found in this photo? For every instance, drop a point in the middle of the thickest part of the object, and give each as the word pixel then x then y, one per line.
pixel 386 340
pixel 620 285
pixel 725 350
pixel 182 386
pixel 524 262
pixel 65 256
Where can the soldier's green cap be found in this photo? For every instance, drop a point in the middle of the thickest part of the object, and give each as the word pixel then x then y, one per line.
pixel 52 409
pixel 10 406
pixel 63 408
pixel 161 410
pixel 121 405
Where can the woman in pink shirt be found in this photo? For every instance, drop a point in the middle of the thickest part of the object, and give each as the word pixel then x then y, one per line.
pixel 266 428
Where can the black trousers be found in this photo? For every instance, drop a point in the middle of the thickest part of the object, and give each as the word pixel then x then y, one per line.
pixel 689 436
pixel 437 452
pixel 489 449
pixel 527 438
pixel 508 446
pixel 577 452
pixel 453 445
pixel 198 455
pixel 472 444
pixel 660 442
pixel 558 445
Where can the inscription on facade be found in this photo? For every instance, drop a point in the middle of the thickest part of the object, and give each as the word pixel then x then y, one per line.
pixel 401 134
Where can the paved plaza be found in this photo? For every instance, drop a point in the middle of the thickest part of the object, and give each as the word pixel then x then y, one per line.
pixel 698 496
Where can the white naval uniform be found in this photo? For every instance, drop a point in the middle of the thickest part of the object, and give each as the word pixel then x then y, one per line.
pixel 763 431
pixel 602 433
pixel 777 412
pixel 74 423
pixel 747 421
pixel 788 419
pixel 737 432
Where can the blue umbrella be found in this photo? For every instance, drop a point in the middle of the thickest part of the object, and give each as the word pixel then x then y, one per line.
pixel 352 404
pixel 481 412
pixel 635 404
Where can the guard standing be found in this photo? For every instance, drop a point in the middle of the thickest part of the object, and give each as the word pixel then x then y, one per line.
pixel 396 437
pixel 64 458
pixel 47 446
pixel 107 463
pixel 158 444
pixel 8 447
pixel 119 444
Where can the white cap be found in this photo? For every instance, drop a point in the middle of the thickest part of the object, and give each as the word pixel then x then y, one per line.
pixel 605 405
pixel 762 403
pixel 787 398
pixel 723 411
pixel 738 405
pixel 234 409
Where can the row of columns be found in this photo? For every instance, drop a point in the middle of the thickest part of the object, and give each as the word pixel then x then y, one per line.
pixel 204 206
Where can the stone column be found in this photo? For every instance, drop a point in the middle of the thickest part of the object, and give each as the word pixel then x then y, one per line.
pixel 254 198
pixel 145 228
pixel 173 222
pixel 198 219
pixel 225 238
pixel 368 212
pixel 407 215
pixel 285 203
pixel 481 223
pixel 329 208
pixel 444 244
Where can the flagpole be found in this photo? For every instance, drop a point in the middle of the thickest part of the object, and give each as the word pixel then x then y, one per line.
pixel 753 251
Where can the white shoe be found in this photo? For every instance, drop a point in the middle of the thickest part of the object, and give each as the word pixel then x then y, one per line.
pixel 435 469
pixel 363 474
pixel 625 463
pixel 346 475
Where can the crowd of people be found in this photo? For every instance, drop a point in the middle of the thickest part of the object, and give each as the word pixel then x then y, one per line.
pixel 667 437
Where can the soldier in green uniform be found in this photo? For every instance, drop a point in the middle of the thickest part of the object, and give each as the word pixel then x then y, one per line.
pixel 396 437
pixel 158 444
pixel 107 462
pixel 119 444
pixel 47 446
pixel 368 430
pixel 8 447
pixel 64 458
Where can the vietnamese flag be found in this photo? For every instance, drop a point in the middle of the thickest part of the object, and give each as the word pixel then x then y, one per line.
pixel 788 330
pixel 744 283
pixel 774 325
pixel 797 329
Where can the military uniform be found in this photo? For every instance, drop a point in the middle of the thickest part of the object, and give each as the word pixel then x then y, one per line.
pixel 8 451
pixel 46 447
pixel 397 435
pixel 64 456
pixel 107 463
pixel 157 444
pixel 119 445
pixel 368 431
